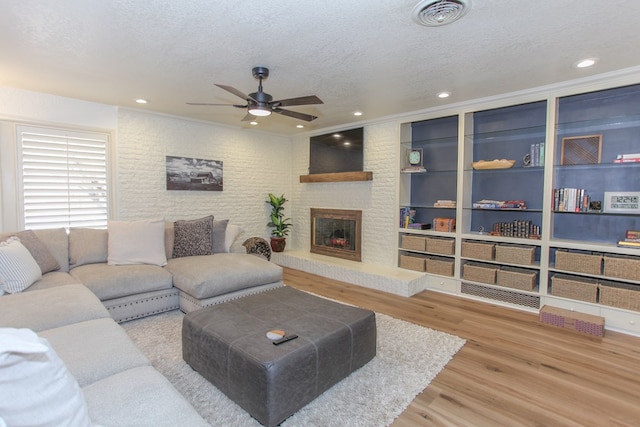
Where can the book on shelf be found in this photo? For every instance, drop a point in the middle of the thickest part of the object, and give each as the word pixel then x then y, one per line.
pixel 632 235
pixel 445 204
pixel 628 244
pixel 628 156
pixel 571 200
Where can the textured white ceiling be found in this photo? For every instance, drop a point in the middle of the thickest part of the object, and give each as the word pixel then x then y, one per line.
pixel 353 54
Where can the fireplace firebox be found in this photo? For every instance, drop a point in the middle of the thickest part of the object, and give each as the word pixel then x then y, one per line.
pixel 337 233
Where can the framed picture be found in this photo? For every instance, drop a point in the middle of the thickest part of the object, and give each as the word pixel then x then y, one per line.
pixel 581 150
pixel 190 174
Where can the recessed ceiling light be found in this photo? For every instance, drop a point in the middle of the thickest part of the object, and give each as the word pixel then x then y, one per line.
pixel 142 101
pixel 584 63
pixel 300 126
pixel 346 143
pixel 357 113
pixel 336 135
pixel 444 95
pixel 253 123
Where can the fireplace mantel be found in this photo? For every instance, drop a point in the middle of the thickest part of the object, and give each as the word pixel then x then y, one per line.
pixel 337 177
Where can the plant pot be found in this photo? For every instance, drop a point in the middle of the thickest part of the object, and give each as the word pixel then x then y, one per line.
pixel 278 244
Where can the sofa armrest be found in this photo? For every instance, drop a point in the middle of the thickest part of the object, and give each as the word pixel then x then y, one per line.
pixel 258 246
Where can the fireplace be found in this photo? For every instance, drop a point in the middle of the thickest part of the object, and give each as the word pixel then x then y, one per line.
pixel 337 233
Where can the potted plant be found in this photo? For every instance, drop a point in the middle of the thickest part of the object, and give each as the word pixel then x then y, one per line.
pixel 279 223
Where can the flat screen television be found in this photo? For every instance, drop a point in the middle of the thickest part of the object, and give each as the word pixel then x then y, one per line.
pixel 334 152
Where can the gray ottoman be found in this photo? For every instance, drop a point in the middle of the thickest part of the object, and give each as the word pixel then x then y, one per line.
pixel 226 344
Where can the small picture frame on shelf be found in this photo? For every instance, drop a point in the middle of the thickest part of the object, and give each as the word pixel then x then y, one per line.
pixel 581 150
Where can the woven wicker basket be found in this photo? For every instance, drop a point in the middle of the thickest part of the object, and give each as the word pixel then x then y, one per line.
pixel 516 254
pixel 440 265
pixel 413 243
pixel 574 287
pixel 412 262
pixel 441 245
pixel 482 273
pixel 517 278
pixel 622 267
pixel 580 262
pixel 478 250
pixel 620 295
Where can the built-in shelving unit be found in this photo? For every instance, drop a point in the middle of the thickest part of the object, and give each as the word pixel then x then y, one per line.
pixel 540 232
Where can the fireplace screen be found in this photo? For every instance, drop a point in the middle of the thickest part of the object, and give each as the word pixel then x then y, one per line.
pixel 336 232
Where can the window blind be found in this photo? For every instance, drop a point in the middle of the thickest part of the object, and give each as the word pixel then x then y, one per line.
pixel 64 177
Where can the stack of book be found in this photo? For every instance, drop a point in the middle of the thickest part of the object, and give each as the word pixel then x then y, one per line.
pixel 536 155
pixel 407 216
pixel 627 158
pixel 631 240
pixel 445 204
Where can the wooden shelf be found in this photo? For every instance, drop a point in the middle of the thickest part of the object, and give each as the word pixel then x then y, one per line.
pixel 338 177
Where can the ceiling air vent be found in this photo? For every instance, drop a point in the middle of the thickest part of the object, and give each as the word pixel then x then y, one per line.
pixel 434 13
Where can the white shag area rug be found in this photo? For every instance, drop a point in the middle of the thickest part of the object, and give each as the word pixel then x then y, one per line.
pixel 408 358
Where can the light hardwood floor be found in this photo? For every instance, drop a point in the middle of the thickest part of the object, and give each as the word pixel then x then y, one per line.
pixel 512 371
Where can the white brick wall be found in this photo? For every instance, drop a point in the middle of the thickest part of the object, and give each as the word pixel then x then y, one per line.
pixel 377 199
pixel 254 164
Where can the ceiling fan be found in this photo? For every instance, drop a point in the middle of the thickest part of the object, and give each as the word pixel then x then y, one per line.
pixel 261 104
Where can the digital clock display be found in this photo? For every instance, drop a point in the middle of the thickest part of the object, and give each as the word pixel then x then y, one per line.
pixel 624 202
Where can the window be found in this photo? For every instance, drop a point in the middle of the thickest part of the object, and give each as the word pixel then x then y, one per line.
pixel 64 178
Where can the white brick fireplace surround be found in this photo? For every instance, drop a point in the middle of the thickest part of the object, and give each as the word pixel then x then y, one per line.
pixel 378 201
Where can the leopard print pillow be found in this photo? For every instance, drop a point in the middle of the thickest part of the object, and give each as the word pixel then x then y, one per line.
pixel 258 246
pixel 193 237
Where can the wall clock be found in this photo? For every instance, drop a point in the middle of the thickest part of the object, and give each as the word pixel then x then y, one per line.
pixel 415 157
pixel 622 202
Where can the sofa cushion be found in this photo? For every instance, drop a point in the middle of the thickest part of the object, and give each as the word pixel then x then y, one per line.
pixel 84 345
pixel 50 308
pixel 212 275
pixel 232 233
pixel 36 388
pixel 192 237
pixel 139 396
pixel 18 269
pixel 87 246
pixel 38 250
pixel 114 281
pixel 57 241
pixel 53 279
pixel 218 232
pixel 136 242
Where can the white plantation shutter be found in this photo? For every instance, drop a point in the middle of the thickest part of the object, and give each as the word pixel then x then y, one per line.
pixel 64 177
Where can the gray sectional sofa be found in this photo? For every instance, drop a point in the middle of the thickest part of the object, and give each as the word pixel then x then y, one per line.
pixel 75 306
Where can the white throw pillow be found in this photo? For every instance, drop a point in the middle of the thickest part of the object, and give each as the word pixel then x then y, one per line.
pixel 230 236
pixel 18 268
pixel 136 242
pixel 36 388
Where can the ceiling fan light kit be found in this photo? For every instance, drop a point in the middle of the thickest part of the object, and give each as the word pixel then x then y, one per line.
pixel 435 13
pixel 261 104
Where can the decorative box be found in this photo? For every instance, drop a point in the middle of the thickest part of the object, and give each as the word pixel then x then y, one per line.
pixel 478 250
pixel 517 278
pixel 515 254
pixel 440 265
pixel 580 262
pixel 413 243
pixel 412 262
pixel 482 273
pixel 441 245
pixel 622 267
pixel 572 287
pixel 444 224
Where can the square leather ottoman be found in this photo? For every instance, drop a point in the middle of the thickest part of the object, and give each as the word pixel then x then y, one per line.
pixel 227 345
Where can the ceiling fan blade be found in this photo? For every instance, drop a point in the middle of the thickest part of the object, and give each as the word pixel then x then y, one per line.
pixel 248 118
pixel 303 100
pixel 234 91
pixel 227 105
pixel 294 114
